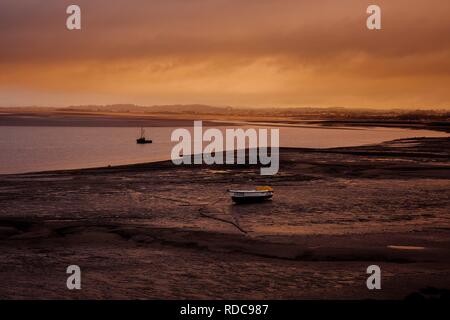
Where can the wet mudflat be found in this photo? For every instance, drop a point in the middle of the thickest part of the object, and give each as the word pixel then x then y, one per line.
pixel 164 231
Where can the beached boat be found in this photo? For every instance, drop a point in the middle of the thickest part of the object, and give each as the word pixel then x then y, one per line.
pixel 246 196
pixel 142 139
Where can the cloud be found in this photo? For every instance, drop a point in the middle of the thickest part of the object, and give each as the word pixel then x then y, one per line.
pixel 255 52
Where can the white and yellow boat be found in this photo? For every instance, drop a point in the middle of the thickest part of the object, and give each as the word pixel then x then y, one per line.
pixel 261 193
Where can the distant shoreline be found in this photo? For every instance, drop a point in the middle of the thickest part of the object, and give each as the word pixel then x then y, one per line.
pixel 121 119
pixel 94 120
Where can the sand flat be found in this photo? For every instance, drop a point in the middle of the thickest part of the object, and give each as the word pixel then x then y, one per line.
pixel 137 231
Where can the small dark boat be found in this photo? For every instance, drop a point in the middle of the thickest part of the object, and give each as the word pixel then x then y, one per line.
pixel 142 139
pixel 250 196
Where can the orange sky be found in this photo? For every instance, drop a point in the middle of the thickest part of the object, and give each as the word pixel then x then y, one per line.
pixel 226 52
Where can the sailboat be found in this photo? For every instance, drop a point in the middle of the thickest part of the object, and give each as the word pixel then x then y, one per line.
pixel 142 139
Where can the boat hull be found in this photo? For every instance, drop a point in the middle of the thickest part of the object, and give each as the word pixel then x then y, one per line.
pixel 239 196
pixel 251 199
pixel 140 141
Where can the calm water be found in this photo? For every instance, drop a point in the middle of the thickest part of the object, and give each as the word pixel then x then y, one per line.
pixel 29 149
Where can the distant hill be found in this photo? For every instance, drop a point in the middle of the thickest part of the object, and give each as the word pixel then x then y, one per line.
pixel 228 111
pixel 131 108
